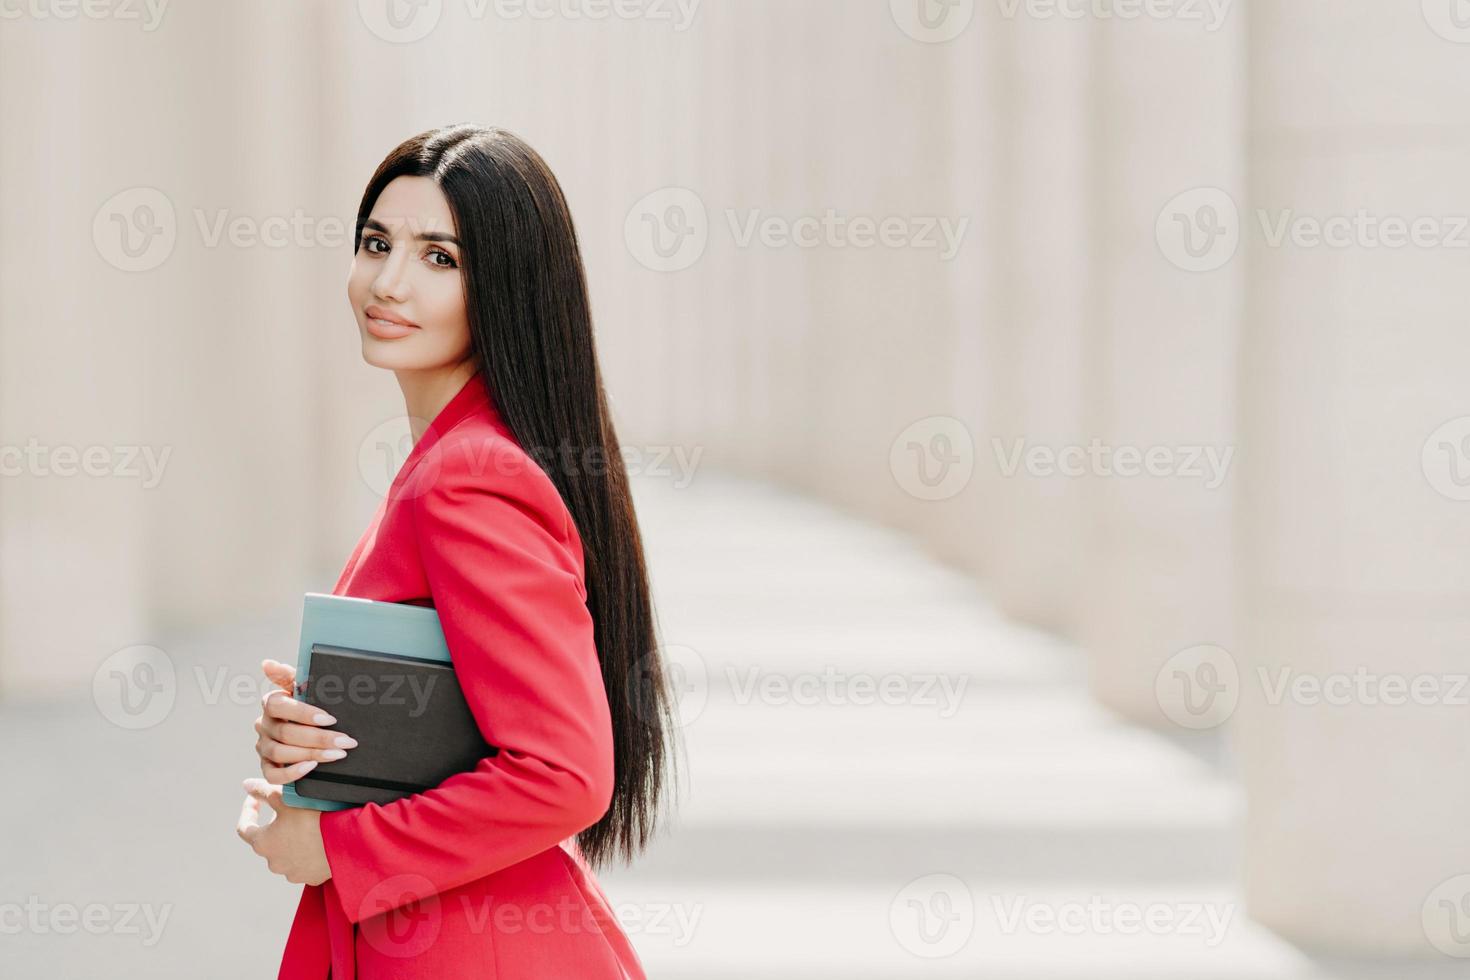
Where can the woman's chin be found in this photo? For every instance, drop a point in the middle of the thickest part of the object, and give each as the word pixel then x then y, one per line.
pixel 387 355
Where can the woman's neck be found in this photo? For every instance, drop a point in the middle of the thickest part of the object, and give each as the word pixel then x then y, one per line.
pixel 425 393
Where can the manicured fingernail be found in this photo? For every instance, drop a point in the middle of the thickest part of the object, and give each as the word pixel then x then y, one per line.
pixel 345 742
pixel 332 755
pixel 322 718
pixel 307 767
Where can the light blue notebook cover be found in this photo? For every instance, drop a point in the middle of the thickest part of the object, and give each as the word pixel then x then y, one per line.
pixel 368 625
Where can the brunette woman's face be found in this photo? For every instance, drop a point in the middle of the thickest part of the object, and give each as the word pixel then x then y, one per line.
pixel 405 286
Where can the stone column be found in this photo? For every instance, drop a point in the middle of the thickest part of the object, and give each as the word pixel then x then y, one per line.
pixel 1035 377
pixel 1168 103
pixel 1353 728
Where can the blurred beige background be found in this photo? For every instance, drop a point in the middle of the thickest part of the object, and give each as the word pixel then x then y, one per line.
pixel 1106 355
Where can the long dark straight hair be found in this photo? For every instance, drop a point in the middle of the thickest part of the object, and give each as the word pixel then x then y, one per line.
pixel 531 332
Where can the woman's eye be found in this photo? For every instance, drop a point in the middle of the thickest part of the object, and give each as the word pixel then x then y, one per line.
pixel 442 259
pixel 371 244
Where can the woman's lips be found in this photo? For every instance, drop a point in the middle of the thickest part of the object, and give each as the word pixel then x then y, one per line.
pixel 386 326
pixel 387 329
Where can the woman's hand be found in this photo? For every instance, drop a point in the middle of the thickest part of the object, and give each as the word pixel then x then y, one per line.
pixel 291 843
pixel 291 740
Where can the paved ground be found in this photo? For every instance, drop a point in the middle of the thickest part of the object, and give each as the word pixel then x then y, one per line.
pixel 882 779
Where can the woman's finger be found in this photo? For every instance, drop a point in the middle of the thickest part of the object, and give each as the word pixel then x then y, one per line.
pixel 306 736
pixel 272 751
pixel 266 793
pixel 285 708
pixel 278 673
pixel 288 755
pixel 248 826
pixel 281 775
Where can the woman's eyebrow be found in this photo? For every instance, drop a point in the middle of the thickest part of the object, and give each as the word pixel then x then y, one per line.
pixel 425 236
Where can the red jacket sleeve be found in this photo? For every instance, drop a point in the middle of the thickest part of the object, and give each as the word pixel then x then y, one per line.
pixel 498 555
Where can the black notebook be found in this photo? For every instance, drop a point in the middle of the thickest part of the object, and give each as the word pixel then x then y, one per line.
pixel 387 678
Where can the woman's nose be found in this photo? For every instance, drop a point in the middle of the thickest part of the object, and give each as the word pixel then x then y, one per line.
pixel 392 280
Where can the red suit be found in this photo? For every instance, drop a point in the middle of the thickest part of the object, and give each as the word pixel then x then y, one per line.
pixel 480 876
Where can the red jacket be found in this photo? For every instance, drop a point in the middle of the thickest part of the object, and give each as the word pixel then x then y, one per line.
pixel 480 876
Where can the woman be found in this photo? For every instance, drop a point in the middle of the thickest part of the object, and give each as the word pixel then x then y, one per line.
pixel 512 516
